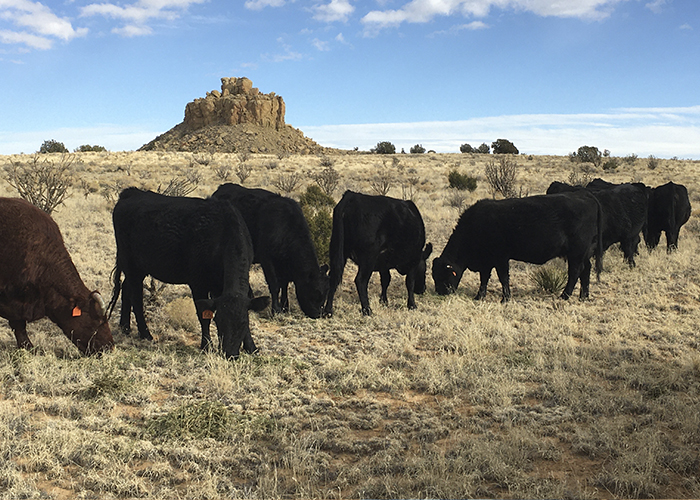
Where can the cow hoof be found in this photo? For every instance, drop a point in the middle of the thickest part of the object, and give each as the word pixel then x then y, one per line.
pixel 125 330
pixel 146 336
pixel 366 311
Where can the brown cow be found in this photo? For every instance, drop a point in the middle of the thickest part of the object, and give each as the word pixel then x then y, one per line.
pixel 38 279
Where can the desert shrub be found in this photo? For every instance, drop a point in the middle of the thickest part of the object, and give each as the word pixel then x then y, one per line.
pixel 408 186
pixel 461 182
pixel 580 177
pixel 611 164
pixel 652 162
pixel 181 186
pixel 456 199
pixel 325 161
pixel 317 207
pixel 52 146
pixel 501 177
pixel 504 146
pixel 203 159
pixel 466 148
pixel 243 171
pixel 549 278
pixel 327 179
pixel 587 154
pixel 417 149
pixel 42 182
pixel 382 183
pixel 86 148
pixel 630 158
pixel 384 148
pixel 287 183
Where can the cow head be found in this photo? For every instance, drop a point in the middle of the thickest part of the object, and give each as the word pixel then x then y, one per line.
pixel 446 276
pixel 231 318
pixel 312 292
pixel 419 284
pixel 87 326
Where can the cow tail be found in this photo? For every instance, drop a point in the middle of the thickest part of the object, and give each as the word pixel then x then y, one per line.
pixel 116 278
pixel 599 245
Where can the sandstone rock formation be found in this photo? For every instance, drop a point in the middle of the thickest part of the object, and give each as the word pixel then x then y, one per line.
pixel 238 118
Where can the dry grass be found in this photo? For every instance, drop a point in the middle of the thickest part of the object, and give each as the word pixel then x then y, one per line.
pixel 539 398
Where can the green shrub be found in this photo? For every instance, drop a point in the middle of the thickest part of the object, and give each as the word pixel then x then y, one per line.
pixel 53 147
pixel 461 182
pixel 550 279
pixel 652 162
pixel 611 164
pixel 317 207
pixel 384 148
pixel 466 148
pixel 504 146
pixel 587 154
pixel 418 148
pixel 206 419
pixel 86 148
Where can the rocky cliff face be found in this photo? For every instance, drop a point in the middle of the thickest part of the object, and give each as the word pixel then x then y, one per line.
pixel 238 118
pixel 238 103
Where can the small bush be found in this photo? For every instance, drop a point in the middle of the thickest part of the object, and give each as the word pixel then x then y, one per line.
pixel 208 419
pixel 611 164
pixel 587 154
pixel 327 179
pixel 384 148
pixel 466 148
pixel 461 182
pixel 417 149
pixel 43 183
pixel 382 183
pixel 223 172
pixel 86 148
pixel 243 171
pixel 549 279
pixel 504 146
pixel 631 158
pixel 501 177
pixel 181 186
pixel 52 146
pixel 652 162
pixel 287 183
pixel 484 149
pixel 317 206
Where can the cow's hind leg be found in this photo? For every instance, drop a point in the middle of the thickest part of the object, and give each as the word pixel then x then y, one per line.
pixel 361 283
pixel 125 315
pixel 410 288
pixel 585 279
pixel 274 286
pixel 335 277
pixel 385 276
pixel 503 271
pixel 19 327
pixel 284 296
pixel 574 271
pixel 135 290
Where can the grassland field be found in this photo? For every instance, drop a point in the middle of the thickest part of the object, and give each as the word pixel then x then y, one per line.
pixel 536 398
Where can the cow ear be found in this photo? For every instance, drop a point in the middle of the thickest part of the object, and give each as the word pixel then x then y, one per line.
pixel 324 269
pixel 259 303
pixel 428 250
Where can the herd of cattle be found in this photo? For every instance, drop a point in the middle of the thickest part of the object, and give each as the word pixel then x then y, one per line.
pixel 209 244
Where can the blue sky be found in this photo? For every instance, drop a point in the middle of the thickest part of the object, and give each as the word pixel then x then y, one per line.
pixel 549 75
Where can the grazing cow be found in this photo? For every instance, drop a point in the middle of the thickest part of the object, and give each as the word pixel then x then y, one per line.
pixel 534 229
pixel 203 243
pixel 669 209
pixel 378 233
pixel 38 279
pixel 282 246
pixel 624 212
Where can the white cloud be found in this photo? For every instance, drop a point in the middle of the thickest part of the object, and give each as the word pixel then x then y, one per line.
pixel 137 15
pixel 421 11
pixel 261 4
pixel 663 132
pixel 686 26
pixel 473 26
pixel 336 10
pixel 321 45
pixel 656 6
pixel 38 27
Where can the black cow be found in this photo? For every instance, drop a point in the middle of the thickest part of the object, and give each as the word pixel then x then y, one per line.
pixel 533 229
pixel 669 209
pixel 624 212
pixel 378 233
pixel 203 243
pixel 282 245
pixel 38 279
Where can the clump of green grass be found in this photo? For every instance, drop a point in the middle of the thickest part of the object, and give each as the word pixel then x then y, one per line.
pixel 205 419
pixel 549 279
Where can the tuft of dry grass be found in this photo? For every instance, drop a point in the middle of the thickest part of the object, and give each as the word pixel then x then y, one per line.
pixel 537 398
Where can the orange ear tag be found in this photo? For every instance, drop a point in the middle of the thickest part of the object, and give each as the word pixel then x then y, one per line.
pixel 207 314
pixel 77 312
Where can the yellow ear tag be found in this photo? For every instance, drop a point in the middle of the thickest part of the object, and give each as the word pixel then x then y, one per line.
pixel 77 312
pixel 207 314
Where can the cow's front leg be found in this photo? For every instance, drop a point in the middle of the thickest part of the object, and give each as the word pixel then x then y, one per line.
pixel 19 327
pixel 135 289
pixel 274 286
pixel 484 281
pixel 284 301
pixel 574 271
pixel 585 279
pixel 410 288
